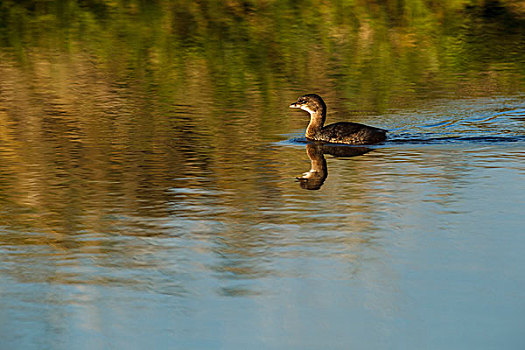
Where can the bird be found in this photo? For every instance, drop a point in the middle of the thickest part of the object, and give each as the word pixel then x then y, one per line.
pixel 342 132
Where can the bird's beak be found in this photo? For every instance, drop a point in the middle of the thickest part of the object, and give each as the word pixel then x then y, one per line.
pixel 295 105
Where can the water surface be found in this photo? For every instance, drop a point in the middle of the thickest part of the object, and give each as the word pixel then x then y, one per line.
pixel 149 162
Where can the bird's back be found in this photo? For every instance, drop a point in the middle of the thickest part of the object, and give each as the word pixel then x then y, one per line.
pixel 350 133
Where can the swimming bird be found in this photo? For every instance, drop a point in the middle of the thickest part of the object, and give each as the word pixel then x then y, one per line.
pixel 343 132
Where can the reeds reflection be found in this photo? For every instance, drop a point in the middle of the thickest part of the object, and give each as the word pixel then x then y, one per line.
pixel 141 173
pixel 315 177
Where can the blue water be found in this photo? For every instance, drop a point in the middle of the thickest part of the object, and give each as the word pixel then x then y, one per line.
pixel 416 244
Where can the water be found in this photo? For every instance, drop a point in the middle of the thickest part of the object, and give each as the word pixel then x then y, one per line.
pixel 153 190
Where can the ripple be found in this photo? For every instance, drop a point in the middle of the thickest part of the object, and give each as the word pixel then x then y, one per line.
pixel 417 139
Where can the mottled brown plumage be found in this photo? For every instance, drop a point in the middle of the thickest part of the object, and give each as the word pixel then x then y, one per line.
pixel 343 132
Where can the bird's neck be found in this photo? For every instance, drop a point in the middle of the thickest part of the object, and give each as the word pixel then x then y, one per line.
pixel 316 123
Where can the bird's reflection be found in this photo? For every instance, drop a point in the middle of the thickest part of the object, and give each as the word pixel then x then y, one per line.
pixel 315 177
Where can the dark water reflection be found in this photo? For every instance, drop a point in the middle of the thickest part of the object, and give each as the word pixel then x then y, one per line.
pixel 315 177
pixel 148 165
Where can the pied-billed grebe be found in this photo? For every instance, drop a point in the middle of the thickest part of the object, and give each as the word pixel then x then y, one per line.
pixel 343 132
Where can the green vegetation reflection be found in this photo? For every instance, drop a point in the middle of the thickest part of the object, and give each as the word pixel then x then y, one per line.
pixel 377 55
